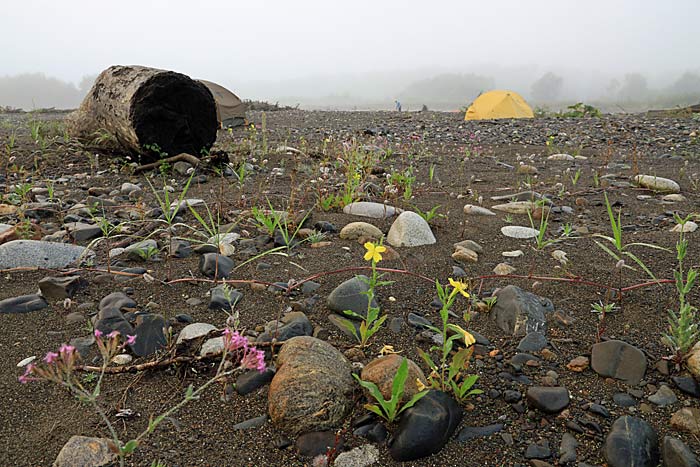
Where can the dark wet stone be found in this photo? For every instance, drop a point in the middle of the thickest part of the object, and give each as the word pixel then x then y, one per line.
pixel 471 432
pixel 631 441
pixel 624 400
pixel 326 227
pixel 184 318
pixel 215 266
pixel 677 454
pixel 619 360
pixel 117 301
pixel 663 397
pixel 83 344
pixel 512 396
pixel 349 296
pixel 520 379
pixel 23 304
pixel 538 451
pixel 58 288
pixel 395 324
pixel 374 432
pixel 150 334
pixel 532 342
pixel 519 360
pixel 599 410
pixel 292 324
pixel 426 427
pixel 481 340
pixel 417 321
pixel 251 423
pixel 548 399
pixel 252 380
pixel 318 442
pixel 567 448
pixel 687 385
pixel 219 301
pixel 180 249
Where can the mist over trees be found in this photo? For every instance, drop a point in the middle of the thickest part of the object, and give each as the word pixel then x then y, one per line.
pixel 438 89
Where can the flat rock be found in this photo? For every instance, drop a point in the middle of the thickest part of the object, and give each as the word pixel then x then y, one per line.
pixel 503 269
pixel 688 227
pixel 548 399
pixel 532 342
pixel 58 288
pixel 676 453
pixel 516 207
pixel 356 230
pixel 223 300
pixel 561 157
pixel 687 384
pixel 631 442
pixel 370 209
pixel 426 427
pixel 213 346
pixel 312 389
pixel 619 360
pixel 82 451
pixel 381 371
pixel 253 379
pixel 652 182
pixel 470 245
pixel 139 250
pixel 41 254
pixel 519 231
pixel 518 312
pixel 465 255
pixel 410 230
pixel 692 361
pixel 663 396
pixel 194 331
pixel 23 304
pixel 567 448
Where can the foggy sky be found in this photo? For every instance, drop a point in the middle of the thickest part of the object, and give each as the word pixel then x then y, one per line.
pixel 246 43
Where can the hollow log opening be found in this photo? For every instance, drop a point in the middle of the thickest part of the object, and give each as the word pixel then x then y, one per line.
pixel 174 112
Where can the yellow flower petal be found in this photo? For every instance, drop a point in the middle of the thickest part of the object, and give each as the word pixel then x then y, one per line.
pixel 373 252
pixel 460 287
pixel 468 337
pixel 419 384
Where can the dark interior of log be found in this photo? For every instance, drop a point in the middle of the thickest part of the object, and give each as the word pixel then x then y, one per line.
pixel 177 114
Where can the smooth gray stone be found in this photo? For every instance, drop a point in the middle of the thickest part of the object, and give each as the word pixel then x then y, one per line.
pixel 631 442
pixel 22 304
pixel 677 454
pixel 619 360
pixel 349 296
pixel 40 254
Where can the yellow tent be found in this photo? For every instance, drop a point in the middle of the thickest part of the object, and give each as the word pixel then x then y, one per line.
pixel 498 104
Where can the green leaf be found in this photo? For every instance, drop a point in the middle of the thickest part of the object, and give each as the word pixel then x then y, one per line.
pixel 190 390
pixel 426 358
pixel 129 447
pixel 350 327
pixel 641 264
pixel 416 397
pixel 373 408
pixel 607 250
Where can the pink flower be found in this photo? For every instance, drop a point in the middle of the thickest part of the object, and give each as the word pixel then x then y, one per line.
pixel 130 339
pixel 24 379
pixel 66 349
pixel 233 340
pixel 113 334
pixel 50 357
pixel 98 333
pixel 254 359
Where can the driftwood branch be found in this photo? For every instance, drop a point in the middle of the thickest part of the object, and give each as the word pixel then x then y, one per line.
pixel 180 157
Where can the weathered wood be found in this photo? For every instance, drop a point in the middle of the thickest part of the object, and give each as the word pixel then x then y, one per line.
pixel 141 107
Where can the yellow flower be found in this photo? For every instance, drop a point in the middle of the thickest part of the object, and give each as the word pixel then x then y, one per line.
pixel 374 252
pixel 460 287
pixel 419 384
pixel 468 337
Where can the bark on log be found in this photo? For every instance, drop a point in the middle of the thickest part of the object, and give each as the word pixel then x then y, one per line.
pixel 143 106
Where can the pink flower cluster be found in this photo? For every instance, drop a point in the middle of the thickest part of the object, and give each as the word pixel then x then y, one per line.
pixel 249 356
pixel 58 366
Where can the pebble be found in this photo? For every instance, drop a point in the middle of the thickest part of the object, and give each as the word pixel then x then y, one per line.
pixel 477 211
pixel 370 209
pixel 517 231
pixel 357 230
pixel 410 230
pixel 548 399
pixel 631 441
pixel 619 360
pixel 655 183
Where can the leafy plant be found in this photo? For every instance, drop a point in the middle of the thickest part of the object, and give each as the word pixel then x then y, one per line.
pixel 267 220
pixel 389 409
pixel 602 308
pixel 621 249
pixel 449 374
pixel 428 215
pixel 580 110
pixel 683 331
pixel 371 323
pixel 575 177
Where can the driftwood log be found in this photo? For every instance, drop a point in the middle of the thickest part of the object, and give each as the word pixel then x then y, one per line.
pixel 141 107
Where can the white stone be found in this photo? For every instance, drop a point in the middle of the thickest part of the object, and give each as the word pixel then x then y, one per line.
pixel 193 331
pixel 517 231
pixel 361 456
pixel 26 361
pixel 410 229
pixel 477 211
pixel 513 254
pixel 186 202
pixel 560 256
pixel 470 245
pixel 122 359
pixel 560 157
pixel 674 198
pixel 655 183
pixel 465 254
pixel 503 269
pixel 369 209
pixel 689 226
pixel 222 238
